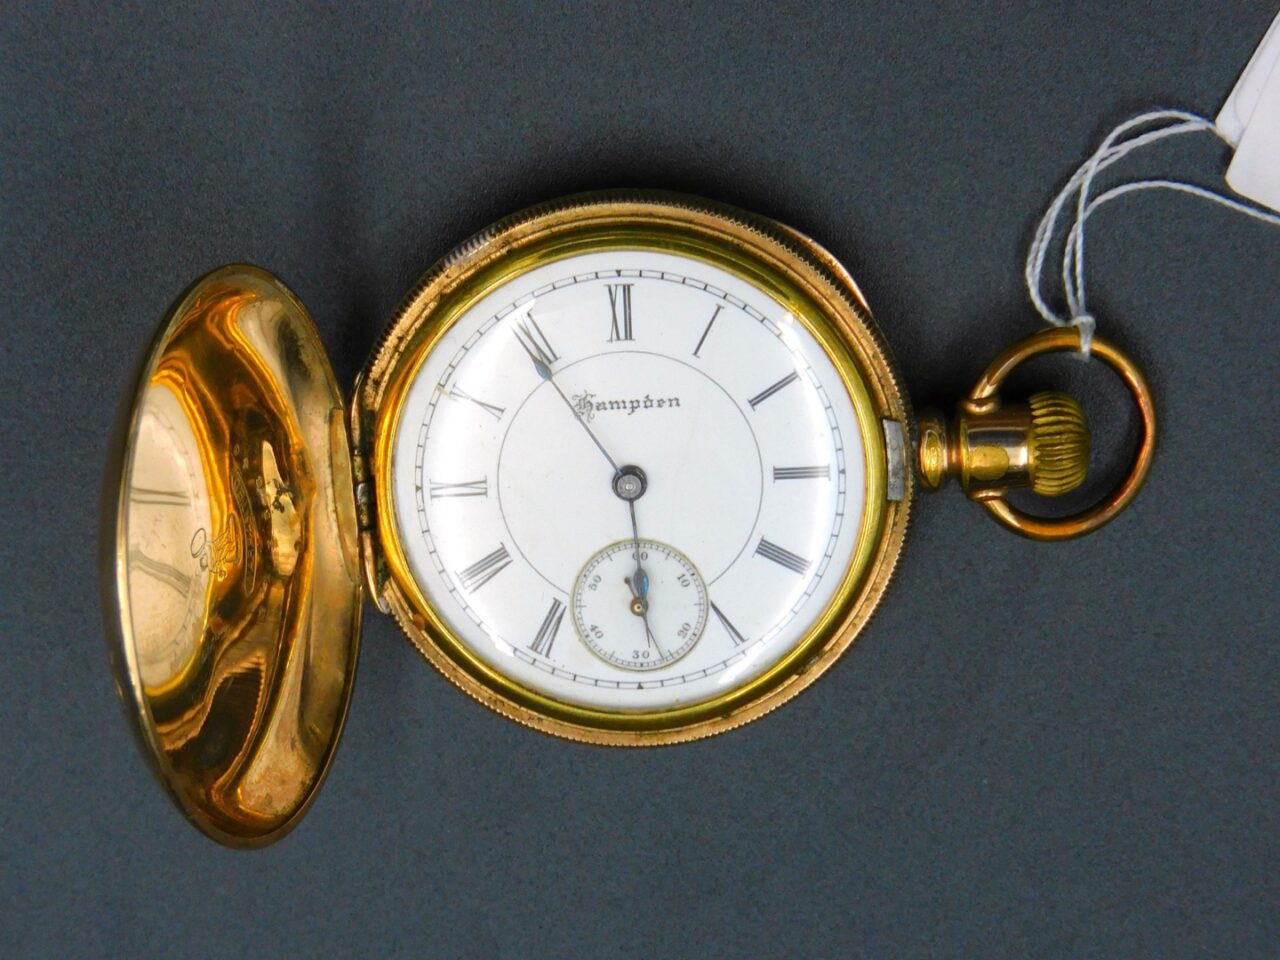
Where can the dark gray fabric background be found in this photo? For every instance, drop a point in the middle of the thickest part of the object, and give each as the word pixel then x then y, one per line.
pixel 1033 751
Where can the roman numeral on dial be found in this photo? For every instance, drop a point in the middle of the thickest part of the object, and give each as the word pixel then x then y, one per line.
pixel 158 498
pixel 165 573
pixel 782 556
pixel 535 343
pixel 546 635
pixel 803 473
pixel 769 391
pixel 485 569
pixel 468 488
pixel 620 304
pixel 494 411
pixel 737 638
pixel 703 339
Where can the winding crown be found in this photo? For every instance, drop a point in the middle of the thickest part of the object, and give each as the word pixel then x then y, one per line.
pixel 1058 443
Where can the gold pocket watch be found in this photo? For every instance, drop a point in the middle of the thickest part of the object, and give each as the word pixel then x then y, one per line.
pixel 628 468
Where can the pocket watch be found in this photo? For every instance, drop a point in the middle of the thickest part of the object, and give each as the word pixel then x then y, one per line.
pixel 627 468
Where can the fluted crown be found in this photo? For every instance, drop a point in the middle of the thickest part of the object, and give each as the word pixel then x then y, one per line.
pixel 1059 443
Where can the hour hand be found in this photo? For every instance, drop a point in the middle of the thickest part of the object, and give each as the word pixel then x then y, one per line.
pixel 639 584
pixel 536 345
pixel 539 365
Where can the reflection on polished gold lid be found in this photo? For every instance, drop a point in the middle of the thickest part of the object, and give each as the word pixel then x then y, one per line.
pixel 235 584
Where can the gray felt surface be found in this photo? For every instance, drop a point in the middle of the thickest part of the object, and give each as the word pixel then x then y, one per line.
pixel 1033 751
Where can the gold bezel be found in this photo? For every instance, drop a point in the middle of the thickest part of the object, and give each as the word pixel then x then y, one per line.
pixel 792 269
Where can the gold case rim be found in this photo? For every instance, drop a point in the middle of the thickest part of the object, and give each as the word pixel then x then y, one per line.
pixel 831 307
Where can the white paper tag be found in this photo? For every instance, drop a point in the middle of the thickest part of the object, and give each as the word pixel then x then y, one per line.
pixel 1255 169
pixel 1239 109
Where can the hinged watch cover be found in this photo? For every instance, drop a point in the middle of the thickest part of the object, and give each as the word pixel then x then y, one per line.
pixel 235 590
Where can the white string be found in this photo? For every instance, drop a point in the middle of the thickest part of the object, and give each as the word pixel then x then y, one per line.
pixel 1118 144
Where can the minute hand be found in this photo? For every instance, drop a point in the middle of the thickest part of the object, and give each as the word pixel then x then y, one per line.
pixel 544 371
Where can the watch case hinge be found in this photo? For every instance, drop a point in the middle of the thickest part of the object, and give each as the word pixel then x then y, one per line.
pixel 375 574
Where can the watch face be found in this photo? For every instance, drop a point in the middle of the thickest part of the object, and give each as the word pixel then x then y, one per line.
pixel 628 480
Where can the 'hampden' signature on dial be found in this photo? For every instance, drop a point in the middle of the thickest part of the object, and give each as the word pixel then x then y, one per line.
pixel 587 406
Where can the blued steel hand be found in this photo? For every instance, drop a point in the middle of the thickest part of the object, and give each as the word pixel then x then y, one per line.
pixel 640 606
pixel 640 580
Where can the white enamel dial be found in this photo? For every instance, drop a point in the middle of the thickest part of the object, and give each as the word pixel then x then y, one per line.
pixel 519 422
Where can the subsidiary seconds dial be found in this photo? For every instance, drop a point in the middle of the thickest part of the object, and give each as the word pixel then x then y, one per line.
pixel 640 611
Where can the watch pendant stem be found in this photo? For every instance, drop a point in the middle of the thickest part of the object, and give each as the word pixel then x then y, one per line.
pixel 1042 444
